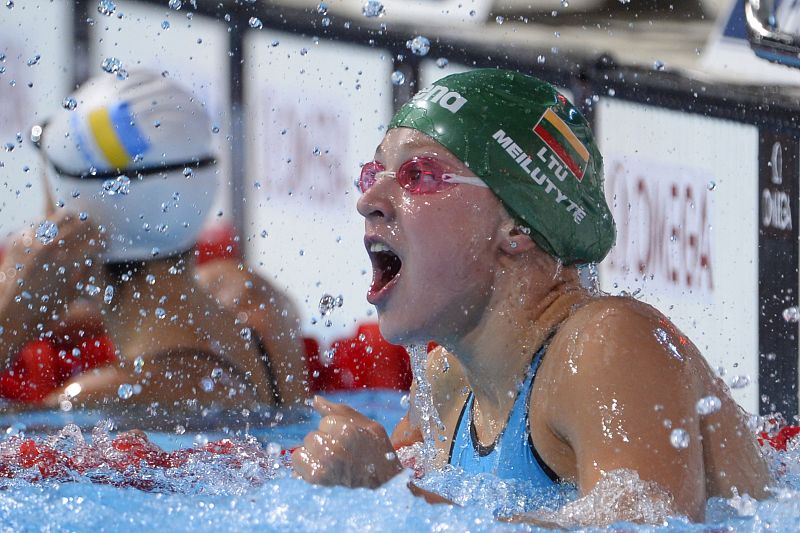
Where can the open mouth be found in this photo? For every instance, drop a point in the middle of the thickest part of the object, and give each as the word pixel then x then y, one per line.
pixel 386 266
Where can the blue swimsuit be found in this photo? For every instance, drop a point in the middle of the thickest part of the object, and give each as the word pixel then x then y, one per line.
pixel 512 455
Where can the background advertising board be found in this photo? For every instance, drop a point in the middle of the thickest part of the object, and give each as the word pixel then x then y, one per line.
pixel 316 110
pixel 185 47
pixel 35 76
pixel 779 168
pixel 680 187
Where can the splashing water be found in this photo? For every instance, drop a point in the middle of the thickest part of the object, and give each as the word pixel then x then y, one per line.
pixel 47 232
pixel 419 45
pixel 119 185
pixel 106 7
pixel 398 78
pixel 372 9
pixel 425 452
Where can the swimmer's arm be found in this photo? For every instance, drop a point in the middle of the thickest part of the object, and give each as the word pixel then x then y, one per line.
pixel 621 393
pixel 44 293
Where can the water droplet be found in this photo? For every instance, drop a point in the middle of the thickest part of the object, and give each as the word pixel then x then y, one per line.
pixel 708 405
pixel 175 4
pixel 188 172
pixel 69 103
pixel 246 334
pixel 419 45
pixel 76 193
pixel 216 373
pixel 328 303
pixel 150 279
pixel 119 185
pixel 138 364
pixel 398 78
pixel 791 314
pixel 106 7
pixel 564 3
pixel 679 439
pixel 255 22
pixel 47 232
pixel 322 8
pixel 111 65
pixel 180 430
pixel 500 19
pixel 441 62
pixel 740 382
pixel 34 60
pixel 108 294
pixel 9 147
pixel 325 22
pixel 10 4
pixel 207 384
pixel 712 185
pixel 83 216
pixel 612 92
pixel 658 65
pixel 160 313
pixel 472 13
pixel 540 59
pixel 373 8
pixel 125 391
pixel 164 24
pixel 303 51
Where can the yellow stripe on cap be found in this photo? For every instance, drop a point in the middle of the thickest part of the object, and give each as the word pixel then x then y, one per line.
pixel 106 138
pixel 564 130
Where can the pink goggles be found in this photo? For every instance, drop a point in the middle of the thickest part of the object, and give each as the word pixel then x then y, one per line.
pixel 419 175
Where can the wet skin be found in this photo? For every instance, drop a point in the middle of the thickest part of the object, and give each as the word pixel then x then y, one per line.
pixel 178 352
pixel 616 379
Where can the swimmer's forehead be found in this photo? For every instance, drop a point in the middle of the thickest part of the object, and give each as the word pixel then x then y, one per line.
pixel 407 141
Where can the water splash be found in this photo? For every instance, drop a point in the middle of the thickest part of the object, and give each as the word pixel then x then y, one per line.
pixel 429 420
pixel 419 45
pixel 47 232
pixel 398 78
pixel 119 185
pixel 373 9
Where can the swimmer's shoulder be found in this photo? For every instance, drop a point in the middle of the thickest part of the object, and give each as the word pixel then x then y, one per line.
pixel 610 341
pixel 606 321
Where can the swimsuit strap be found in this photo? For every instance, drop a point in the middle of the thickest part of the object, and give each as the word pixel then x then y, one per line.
pixel 273 381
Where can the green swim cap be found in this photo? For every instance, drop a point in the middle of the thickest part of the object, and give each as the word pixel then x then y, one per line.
pixel 531 146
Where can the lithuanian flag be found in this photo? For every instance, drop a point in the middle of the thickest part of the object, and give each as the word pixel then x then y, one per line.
pixel 559 137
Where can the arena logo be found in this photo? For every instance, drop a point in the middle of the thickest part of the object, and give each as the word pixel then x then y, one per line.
pixel 439 94
pixel 663 217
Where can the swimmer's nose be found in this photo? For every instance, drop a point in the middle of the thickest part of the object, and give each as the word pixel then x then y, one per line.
pixel 377 201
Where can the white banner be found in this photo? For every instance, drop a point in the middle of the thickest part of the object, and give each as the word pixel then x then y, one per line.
pixel 35 76
pixel 315 111
pixel 684 192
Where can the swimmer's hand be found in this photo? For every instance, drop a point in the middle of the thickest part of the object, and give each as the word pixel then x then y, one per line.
pixel 348 449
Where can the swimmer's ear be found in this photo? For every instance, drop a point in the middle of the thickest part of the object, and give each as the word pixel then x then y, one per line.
pixel 513 240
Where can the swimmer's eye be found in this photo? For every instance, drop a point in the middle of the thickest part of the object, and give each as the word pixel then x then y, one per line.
pixel 369 173
pixel 422 175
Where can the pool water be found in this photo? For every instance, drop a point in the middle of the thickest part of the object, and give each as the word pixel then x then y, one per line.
pixel 251 489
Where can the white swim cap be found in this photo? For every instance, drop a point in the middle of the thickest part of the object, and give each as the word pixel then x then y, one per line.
pixel 135 156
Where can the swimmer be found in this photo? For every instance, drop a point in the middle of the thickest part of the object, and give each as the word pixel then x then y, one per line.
pixel 130 180
pixel 482 199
